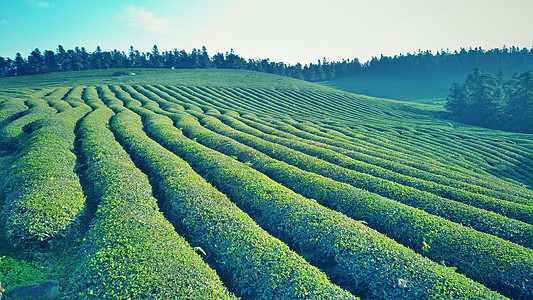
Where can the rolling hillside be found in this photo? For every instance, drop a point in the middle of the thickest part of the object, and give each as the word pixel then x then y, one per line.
pixel 427 89
pixel 205 184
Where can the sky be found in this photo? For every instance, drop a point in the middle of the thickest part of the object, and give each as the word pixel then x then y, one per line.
pixel 287 31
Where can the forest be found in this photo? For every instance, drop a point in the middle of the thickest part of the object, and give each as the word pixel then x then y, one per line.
pixel 423 64
pixel 494 101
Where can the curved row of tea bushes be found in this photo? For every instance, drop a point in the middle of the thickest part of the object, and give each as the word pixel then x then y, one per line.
pixel 381 181
pixel 192 100
pixel 379 138
pixel 10 110
pixel 247 100
pixel 12 134
pixel 312 109
pixel 131 251
pixel 44 198
pixel 236 103
pixel 479 219
pixel 250 104
pixel 367 142
pixel 476 154
pixel 499 264
pixel 468 176
pixel 55 99
pixel 164 93
pixel 90 97
pixel 411 168
pixel 400 169
pixel 156 95
pixel 74 96
pixel 343 104
pixel 213 93
pixel 428 186
pixel 361 259
pixel 473 170
pixel 132 96
pixel 508 192
pixel 223 102
pixel 252 262
pixel 477 146
pixel 475 159
pixel 511 148
pixel 198 98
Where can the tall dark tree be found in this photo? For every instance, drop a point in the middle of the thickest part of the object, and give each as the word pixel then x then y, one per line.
pixel 63 59
pixel 84 58
pixel 521 104
pixel 134 57
pixel 155 58
pixel 97 59
pixel 50 61
pixel 20 64
pixel 35 62
pixel 219 61
pixel 76 62
pixel 203 61
pixel 3 67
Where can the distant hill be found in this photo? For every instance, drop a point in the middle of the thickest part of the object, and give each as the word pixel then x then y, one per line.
pixel 415 88
pixel 427 77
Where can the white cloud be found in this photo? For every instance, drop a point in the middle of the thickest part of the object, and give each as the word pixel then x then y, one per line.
pixel 138 16
pixel 38 3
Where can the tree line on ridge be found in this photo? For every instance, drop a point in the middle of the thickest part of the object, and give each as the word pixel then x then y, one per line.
pixel 421 64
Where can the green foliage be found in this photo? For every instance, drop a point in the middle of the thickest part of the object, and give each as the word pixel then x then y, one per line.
pixel 345 248
pixel 12 134
pixel 44 198
pixel 120 73
pixel 494 102
pixel 423 194
pixel 131 250
pixel 10 110
pixel 197 77
pixel 254 263
pixel 399 221
pixel 278 153
pixel 15 272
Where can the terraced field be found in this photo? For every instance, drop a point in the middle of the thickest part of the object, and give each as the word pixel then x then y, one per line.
pixel 238 184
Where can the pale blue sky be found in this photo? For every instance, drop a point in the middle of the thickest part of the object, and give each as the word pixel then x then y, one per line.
pixel 282 30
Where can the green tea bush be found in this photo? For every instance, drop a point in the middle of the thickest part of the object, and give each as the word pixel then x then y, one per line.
pixel 56 99
pixel 462 183
pixel 12 134
pixel 15 272
pixel 90 97
pixel 498 263
pixel 331 164
pixel 44 198
pixel 255 264
pixel 501 206
pixel 131 250
pixel 10 110
pixel 364 261
pixel 163 99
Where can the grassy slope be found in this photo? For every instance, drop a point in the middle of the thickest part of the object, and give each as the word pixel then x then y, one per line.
pixel 393 116
pixel 418 90
pixel 197 77
pixel 411 127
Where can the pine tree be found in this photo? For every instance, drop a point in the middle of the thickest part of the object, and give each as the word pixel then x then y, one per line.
pixel 20 64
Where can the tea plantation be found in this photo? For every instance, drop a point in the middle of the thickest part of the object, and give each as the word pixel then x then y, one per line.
pixel 224 184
